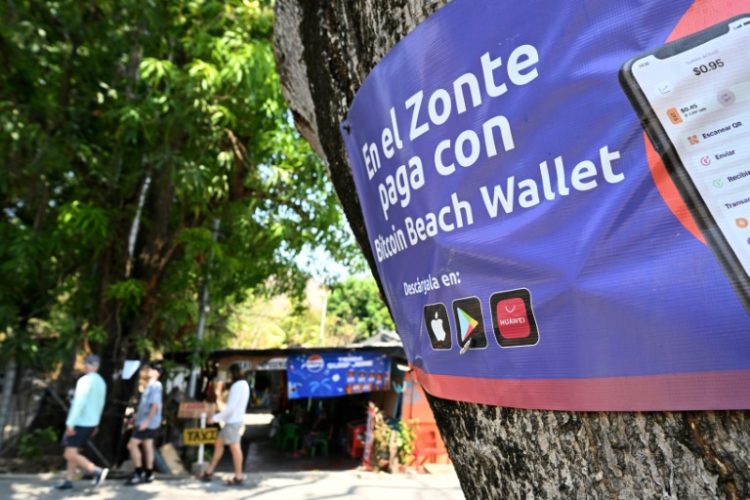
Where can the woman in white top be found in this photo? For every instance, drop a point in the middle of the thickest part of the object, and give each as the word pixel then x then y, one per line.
pixel 232 416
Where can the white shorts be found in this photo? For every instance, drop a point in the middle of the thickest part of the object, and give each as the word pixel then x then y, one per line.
pixel 232 433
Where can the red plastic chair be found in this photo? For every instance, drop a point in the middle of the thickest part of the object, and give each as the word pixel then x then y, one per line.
pixel 426 448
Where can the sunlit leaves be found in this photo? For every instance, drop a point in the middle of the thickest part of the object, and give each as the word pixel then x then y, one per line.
pixel 155 71
pixel 84 222
pixel 129 293
pixel 356 301
pixel 198 243
pixel 205 76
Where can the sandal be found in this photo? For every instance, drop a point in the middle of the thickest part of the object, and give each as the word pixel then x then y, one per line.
pixel 206 477
pixel 235 482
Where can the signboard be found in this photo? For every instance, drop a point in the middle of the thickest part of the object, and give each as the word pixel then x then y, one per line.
pixel 332 374
pixel 194 409
pixel 558 202
pixel 194 436
pixel 272 364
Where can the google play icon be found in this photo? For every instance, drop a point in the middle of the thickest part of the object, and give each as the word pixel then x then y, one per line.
pixel 466 324
pixel 468 314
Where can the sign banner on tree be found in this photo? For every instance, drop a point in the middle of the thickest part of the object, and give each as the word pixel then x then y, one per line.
pixel 326 375
pixel 557 197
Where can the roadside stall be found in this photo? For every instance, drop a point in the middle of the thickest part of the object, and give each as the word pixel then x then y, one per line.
pixel 315 403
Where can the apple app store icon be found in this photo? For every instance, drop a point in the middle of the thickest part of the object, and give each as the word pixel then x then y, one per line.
pixel 438 327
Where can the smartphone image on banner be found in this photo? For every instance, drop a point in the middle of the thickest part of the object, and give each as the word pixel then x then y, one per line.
pixel 692 96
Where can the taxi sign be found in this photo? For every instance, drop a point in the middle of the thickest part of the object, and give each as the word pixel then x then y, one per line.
pixel 193 436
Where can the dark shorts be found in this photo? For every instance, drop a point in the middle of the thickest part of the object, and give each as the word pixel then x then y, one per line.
pixel 143 435
pixel 79 438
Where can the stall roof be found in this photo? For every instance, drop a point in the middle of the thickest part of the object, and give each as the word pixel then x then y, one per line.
pixel 395 350
pixel 382 339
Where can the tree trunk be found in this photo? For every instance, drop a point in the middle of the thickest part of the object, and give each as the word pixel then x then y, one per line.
pixel 324 51
pixel 9 381
pixel 154 249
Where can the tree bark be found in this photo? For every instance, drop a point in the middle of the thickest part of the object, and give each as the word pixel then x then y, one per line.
pixel 324 51
pixel 6 397
pixel 155 250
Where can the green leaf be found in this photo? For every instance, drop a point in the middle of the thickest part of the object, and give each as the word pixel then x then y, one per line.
pixel 129 293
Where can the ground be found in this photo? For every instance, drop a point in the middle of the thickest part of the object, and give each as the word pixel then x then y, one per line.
pixel 269 473
pixel 268 485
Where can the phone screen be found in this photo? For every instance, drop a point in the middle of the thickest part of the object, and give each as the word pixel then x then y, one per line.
pixel 701 97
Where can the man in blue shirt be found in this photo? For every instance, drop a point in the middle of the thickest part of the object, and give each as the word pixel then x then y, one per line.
pixel 82 422
pixel 147 422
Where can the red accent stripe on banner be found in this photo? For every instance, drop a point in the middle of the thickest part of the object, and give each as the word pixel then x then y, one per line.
pixel 726 390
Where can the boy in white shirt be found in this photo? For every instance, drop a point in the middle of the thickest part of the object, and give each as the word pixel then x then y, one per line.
pixel 147 422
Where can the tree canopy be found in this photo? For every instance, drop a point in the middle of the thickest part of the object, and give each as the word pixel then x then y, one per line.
pixel 127 130
pixel 354 311
pixel 355 304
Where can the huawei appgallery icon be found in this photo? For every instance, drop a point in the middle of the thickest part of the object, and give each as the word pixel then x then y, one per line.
pixel 513 318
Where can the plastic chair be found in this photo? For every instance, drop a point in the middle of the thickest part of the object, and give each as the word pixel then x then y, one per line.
pixel 320 441
pixel 426 448
pixel 290 434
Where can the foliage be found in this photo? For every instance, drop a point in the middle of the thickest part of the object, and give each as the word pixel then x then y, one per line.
pixel 392 441
pixel 263 322
pixel 355 303
pixel 31 445
pixel 381 439
pixel 177 102
pixel 256 322
pixel 128 292
pixel 407 437
pixel 354 310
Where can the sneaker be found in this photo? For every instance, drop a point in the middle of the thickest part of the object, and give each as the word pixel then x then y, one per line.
pixel 64 485
pixel 99 477
pixel 148 478
pixel 134 479
pixel 235 481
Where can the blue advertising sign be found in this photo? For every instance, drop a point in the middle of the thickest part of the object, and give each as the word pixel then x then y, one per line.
pixel 327 375
pixel 557 197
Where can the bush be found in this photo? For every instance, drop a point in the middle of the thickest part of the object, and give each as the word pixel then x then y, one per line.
pixel 407 435
pixel 32 444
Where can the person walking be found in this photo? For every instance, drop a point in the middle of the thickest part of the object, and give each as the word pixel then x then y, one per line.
pixel 82 422
pixel 147 422
pixel 232 416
